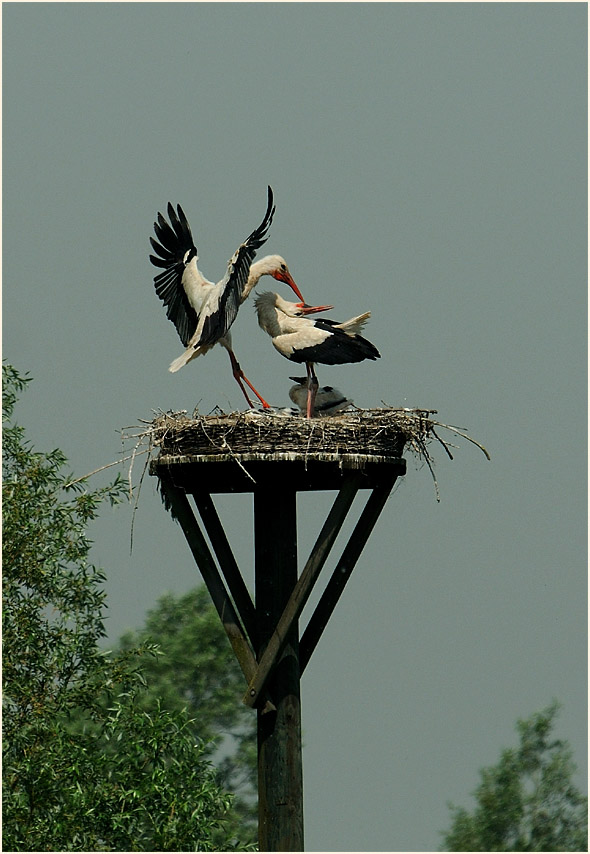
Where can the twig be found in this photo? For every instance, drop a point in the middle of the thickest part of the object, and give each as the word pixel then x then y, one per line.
pixel 225 446
pixel 135 506
pixel 101 468
pixel 426 457
pixel 464 436
pixel 442 442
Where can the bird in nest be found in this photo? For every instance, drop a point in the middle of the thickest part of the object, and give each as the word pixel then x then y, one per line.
pixel 303 339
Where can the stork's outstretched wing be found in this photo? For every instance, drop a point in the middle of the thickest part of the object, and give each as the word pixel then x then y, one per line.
pixel 176 250
pixel 221 308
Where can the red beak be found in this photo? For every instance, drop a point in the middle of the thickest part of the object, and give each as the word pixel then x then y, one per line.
pixel 286 278
pixel 314 309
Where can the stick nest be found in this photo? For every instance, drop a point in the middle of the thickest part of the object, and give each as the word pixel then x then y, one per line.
pixel 379 433
pixel 354 436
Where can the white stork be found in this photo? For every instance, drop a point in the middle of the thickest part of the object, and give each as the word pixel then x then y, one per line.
pixel 303 339
pixel 328 401
pixel 202 311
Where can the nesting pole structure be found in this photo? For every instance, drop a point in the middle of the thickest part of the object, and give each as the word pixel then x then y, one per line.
pixel 274 458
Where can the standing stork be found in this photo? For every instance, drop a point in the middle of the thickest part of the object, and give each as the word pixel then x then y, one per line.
pixel 303 339
pixel 202 311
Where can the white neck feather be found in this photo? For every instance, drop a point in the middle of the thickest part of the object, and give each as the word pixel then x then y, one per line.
pixel 265 267
pixel 278 316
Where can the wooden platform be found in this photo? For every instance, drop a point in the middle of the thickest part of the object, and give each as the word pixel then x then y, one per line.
pixel 240 473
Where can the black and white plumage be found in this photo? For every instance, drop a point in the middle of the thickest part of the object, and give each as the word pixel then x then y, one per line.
pixel 202 311
pixel 328 400
pixel 306 340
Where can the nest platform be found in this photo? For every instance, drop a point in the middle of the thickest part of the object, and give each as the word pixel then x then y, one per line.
pixel 235 452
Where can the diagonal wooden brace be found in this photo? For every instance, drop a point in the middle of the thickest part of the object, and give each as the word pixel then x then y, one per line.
pixel 182 511
pixel 227 563
pixel 303 586
pixel 343 570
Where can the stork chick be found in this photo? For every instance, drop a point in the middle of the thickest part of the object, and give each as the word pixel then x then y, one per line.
pixel 328 401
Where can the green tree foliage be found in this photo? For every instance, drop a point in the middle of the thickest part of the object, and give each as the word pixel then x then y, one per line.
pixel 87 764
pixel 196 670
pixel 526 802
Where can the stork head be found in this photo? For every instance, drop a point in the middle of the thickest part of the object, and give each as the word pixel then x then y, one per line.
pixel 275 313
pixel 275 266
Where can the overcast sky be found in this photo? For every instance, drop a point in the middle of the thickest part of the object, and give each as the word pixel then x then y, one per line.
pixel 429 165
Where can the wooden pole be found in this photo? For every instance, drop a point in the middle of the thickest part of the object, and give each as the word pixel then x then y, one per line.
pixel 280 770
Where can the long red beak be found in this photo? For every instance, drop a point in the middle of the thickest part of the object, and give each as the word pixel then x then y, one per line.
pixel 314 309
pixel 286 278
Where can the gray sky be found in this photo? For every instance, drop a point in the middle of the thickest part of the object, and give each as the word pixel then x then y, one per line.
pixel 429 165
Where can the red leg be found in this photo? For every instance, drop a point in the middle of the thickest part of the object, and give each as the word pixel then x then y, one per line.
pixel 239 376
pixel 312 388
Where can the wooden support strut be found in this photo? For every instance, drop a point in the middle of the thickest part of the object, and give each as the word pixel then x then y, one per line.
pixel 227 563
pixel 343 570
pixel 304 586
pixel 181 510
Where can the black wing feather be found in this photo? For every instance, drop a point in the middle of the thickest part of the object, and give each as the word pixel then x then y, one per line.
pixel 338 348
pixel 242 260
pixel 176 249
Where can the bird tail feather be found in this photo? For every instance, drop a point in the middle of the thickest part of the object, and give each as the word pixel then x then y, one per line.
pixel 355 324
pixel 190 353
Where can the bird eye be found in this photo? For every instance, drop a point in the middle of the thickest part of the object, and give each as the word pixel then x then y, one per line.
pixel 283 266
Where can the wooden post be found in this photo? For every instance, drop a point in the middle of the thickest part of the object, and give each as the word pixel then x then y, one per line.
pixel 280 770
